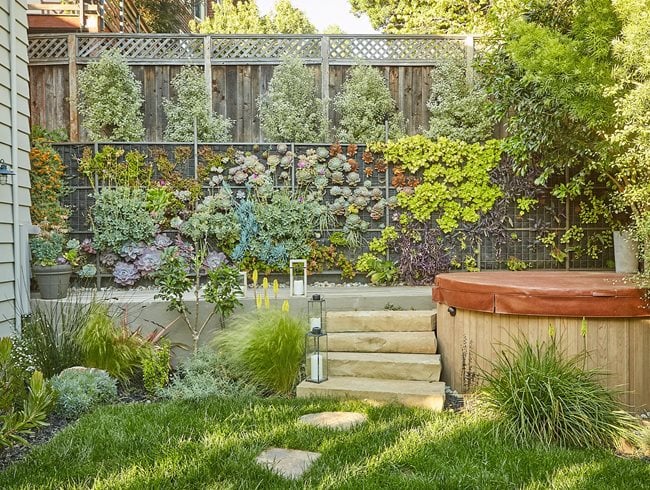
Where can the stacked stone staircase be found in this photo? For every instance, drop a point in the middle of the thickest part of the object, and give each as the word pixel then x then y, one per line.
pixel 388 356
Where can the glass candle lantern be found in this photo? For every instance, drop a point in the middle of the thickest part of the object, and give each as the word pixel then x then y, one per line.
pixel 316 313
pixel 298 277
pixel 316 355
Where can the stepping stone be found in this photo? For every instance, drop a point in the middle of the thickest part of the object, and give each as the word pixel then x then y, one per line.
pixel 288 463
pixel 334 420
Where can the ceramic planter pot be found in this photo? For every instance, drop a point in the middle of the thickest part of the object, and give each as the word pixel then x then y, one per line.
pixel 53 281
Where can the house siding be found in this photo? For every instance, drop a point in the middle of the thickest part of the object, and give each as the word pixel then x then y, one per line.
pixel 9 304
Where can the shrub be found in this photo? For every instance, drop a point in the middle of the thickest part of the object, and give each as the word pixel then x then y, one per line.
pixel 205 374
pixel 110 100
pixel 267 347
pixel 291 110
pixel 80 390
pixel 106 346
pixel 156 367
pixel 46 175
pixel 364 104
pixel 457 109
pixel 538 395
pixel 192 103
pixel 34 399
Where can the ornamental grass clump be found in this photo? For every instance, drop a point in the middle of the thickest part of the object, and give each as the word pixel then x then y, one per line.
pixel 538 395
pixel 266 347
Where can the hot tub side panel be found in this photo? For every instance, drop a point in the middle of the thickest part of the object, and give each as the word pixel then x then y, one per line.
pixel 470 340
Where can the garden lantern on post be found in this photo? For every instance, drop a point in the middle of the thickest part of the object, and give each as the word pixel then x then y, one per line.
pixel 5 172
pixel 298 277
pixel 316 341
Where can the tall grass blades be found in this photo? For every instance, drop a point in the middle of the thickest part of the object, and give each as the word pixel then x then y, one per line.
pixel 49 335
pixel 537 394
pixel 267 346
pixel 106 346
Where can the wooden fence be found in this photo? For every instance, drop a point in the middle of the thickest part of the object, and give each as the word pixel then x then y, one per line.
pixel 237 70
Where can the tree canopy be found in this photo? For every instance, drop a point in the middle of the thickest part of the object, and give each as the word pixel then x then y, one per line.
pixel 243 17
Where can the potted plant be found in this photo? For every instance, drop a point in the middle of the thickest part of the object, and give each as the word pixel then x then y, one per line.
pixel 53 257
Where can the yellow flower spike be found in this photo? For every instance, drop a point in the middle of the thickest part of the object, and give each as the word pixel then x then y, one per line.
pixel 583 327
pixel 276 288
pixel 255 277
pixel 285 306
pixel 265 283
pixel 551 330
pixel 258 302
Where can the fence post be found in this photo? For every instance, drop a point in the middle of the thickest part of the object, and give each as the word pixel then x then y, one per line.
pixel 72 87
pixel 207 68
pixel 325 74
pixel 469 59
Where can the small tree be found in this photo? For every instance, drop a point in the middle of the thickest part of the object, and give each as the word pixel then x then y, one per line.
pixel 291 110
pixel 192 103
pixel 110 100
pixel 458 109
pixel 364 104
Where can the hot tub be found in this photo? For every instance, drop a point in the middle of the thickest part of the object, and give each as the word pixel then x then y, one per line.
pixel 479 312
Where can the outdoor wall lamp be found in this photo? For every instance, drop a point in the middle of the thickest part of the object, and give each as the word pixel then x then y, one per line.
pixel 5 172
pixel 452 311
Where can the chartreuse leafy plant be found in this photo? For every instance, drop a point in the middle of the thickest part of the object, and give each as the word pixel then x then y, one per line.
pixel 192 105
pixel 110 99
pixel 456 185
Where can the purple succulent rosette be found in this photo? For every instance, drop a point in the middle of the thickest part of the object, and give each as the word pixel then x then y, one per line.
pixel 108 259
pixel 149 261
pixel 87 246
pixel 162 241
pixel 131 251
pixel 214 260
pixel 125 274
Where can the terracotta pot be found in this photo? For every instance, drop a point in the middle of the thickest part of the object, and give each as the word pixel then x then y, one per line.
pixel 53 281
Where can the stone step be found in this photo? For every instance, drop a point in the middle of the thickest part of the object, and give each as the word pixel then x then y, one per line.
pixel 396 342
pixel 410 393
pixel 381 321
pixel 415 367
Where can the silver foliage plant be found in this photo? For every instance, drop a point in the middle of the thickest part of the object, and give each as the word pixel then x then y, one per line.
pixel 458 110
pixel 110 99
pixel 192 102
pixel 364 104
pixel 291 109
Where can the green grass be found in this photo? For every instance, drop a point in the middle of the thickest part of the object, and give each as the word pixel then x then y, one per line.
pixel 213 444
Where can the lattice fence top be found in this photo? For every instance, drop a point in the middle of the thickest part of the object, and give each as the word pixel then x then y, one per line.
pixel 233 49
pixel 395 49
pixel 263 49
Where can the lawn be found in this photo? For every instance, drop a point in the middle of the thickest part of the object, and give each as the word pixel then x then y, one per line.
pixel 213 444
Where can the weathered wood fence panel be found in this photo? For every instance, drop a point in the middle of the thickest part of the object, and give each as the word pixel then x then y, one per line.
pixel 238 70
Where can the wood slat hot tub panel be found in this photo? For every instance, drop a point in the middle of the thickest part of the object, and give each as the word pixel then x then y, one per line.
pixel 619 346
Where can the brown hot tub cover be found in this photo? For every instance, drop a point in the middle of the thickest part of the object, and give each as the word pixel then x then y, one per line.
pixel 542 293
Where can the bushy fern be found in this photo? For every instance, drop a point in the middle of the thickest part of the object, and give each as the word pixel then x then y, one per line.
pixel 458 109
pixel 110 99
pixel 538 395
pixel 364 105
pixel 291 109
pixel 267 347
pixel 192 103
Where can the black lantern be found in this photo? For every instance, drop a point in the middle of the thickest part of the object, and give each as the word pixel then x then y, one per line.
pixel 5 172
pixel 316 341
